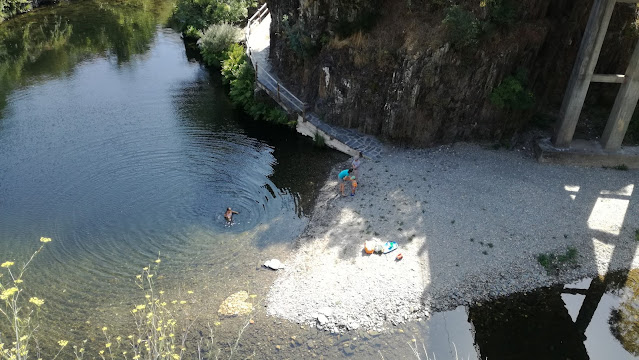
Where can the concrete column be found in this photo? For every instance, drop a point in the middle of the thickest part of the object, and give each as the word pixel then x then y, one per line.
pixel 624 107
pixel 582 71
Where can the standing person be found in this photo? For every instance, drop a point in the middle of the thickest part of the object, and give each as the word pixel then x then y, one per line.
pixel 344 176
pixel 353 185
pixel 228 215
pixel 355 164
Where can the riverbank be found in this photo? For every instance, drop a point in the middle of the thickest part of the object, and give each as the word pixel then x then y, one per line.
pixel 470 223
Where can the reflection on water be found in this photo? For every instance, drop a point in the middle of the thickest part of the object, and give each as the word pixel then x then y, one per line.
pixel 118 148
pixel 52 40
pixel 589 319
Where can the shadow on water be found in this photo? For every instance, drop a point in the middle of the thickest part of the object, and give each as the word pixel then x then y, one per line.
pixel 50 42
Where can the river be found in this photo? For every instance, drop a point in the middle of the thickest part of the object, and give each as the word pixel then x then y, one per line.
pixel 123 150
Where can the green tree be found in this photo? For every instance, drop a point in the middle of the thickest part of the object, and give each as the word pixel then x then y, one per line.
pixel 9 8
pixel 199 14
pixel 512 94
pixel 463 27
pixel 216 41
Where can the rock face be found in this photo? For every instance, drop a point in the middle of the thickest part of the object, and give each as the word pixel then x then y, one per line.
pixel 387 67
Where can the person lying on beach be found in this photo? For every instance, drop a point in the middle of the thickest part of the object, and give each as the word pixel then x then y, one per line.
pixel 344 176
pixel 228 215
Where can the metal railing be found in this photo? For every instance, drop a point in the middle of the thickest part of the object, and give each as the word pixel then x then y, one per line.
pixel 267 81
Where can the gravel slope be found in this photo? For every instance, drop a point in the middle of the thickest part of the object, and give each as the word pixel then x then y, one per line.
pixel 470 223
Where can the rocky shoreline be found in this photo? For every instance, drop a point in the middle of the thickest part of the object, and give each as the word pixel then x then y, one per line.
pixel 470 223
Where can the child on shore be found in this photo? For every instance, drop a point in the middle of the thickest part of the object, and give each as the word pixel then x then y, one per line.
pixel 353 185
pixel 344 176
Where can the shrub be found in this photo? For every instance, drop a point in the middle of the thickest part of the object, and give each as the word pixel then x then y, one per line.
pixel 202 13
pixel 299 40
pixel 553 262
pixel 216 41
pixel 501 12
pixel 511 93
pixel 239 74
pixel 318 140
pixel 9 8
pixel 192 33
pixel 463 27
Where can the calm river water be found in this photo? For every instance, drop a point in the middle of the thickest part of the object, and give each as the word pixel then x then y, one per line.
pixel 121 149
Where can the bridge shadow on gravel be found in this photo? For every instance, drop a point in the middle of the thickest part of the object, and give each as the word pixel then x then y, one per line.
pixel 477 220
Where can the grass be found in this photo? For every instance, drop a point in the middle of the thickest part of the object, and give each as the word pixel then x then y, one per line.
pixel 553 263
pixel 318 140
pixel 637 235
pixel 622 167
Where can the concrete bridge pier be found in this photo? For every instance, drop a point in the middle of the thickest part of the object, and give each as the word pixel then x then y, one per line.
pixel 583 71
pixel 606 152
pixel 624 106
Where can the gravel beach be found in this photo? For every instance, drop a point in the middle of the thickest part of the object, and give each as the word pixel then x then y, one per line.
pixel 470 223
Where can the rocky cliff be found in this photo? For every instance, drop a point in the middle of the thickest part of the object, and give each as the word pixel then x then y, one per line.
pixel 398 69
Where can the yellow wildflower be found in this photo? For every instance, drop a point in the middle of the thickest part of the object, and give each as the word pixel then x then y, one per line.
pixel 136 357
pixel 158 261
pixel 38 302
pixel 175 356
pixel 161 292
pixel 107 345
pixel 8 293
pixel 6 264
pixel 105 328
pixel 63 343
pixel 190 292
pixel 182 302
pixel 101 352
pixel 147 296
pixel 140 307
pixel 18 281
pixel 45 240
pixel 138 277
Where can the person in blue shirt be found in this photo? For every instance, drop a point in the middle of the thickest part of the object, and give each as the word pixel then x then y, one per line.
pixel 344 176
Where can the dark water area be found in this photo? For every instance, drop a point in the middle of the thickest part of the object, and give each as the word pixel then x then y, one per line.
pixel 121 149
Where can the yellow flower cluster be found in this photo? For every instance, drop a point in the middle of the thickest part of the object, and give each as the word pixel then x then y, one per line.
pixel 7 264
pixel 45 240
pixel 36 301
pixel 7 293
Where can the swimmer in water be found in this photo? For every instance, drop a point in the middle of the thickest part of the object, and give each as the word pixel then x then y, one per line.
pixel 228 215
